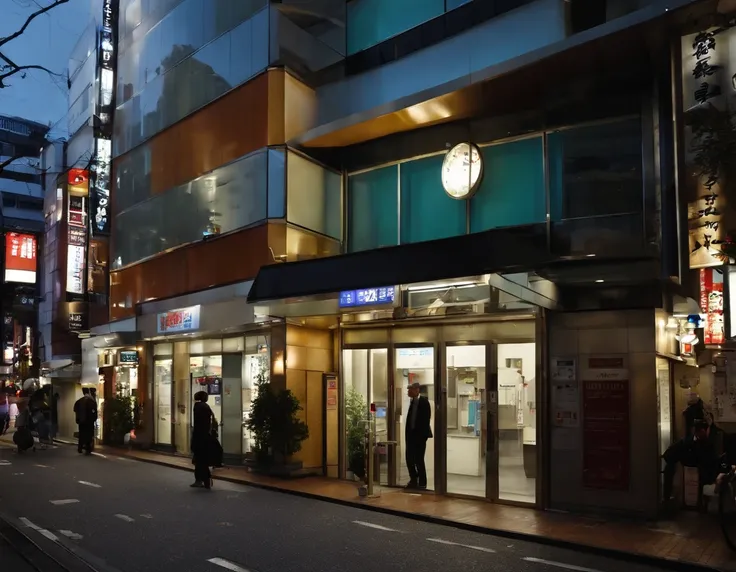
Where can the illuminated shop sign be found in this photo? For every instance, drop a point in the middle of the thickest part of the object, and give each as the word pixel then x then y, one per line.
pixel 128 357
pixel 367 297
pixel 175 321
pixel 77 321
pixel 20 258
pixel 76 217
pixel 105 105
pixel 706 86
pixel 711 304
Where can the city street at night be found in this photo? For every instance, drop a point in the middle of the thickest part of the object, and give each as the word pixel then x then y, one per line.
pixel 119 514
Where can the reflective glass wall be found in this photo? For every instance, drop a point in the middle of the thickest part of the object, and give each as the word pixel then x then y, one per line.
pixel 592 190
pixel 177 56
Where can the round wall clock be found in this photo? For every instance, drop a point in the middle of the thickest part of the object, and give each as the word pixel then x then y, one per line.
pixel 462 170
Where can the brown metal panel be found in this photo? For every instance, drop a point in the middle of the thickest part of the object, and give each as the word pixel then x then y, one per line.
pixel 226 129
pixel 225 260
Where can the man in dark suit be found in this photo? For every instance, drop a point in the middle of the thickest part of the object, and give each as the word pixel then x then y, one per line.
pixel 418 430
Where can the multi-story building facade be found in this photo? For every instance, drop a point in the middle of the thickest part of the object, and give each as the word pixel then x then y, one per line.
pixel 482 197
pixel 22 226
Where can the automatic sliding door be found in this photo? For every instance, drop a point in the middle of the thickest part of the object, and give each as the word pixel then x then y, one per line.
pixel 413 365
pixel 466 423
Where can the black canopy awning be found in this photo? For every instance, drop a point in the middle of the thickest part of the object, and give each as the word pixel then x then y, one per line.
pixel 501 250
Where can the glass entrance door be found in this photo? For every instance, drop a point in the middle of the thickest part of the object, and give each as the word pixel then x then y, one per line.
pixel 466 423
pixel 413 365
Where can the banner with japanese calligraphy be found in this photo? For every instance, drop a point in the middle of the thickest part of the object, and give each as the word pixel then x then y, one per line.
pixel 711 304
pixel 707 96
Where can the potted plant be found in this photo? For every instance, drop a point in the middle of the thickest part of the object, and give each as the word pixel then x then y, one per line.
pixel 277 431
pixel 356 410
pixel 119 412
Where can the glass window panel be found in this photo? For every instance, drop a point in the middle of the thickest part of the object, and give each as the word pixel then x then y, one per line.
pixel 210 69
pixel 370 22
pixel 373 218
pixel 241 42
pixel 163 349
pixel 233 344
pixel 512 191
pixel 427 213
pixel 276 183
pixel 596 170
pixel 259 51
pixel 313 196
pixel 452 4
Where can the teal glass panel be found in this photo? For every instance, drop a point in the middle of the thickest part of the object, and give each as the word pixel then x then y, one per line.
pixel 370 22
pixel 427 213
pixel 373 217
pixel 452 4
pixel 512 190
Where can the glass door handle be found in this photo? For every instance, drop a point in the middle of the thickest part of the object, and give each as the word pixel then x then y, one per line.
pixel 490 433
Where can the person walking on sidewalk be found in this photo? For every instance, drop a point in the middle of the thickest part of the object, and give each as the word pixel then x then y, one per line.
pixel 85 411
pixel 418 430
pixel 202 452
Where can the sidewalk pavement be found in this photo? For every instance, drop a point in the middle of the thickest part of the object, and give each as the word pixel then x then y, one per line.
pixel 691 539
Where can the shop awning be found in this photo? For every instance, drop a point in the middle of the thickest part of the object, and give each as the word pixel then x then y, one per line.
pixel 501 250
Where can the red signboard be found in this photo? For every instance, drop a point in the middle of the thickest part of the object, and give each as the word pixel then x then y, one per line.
pixel 20 258
pixel 711 304
pixel 78 177
pixel 606 441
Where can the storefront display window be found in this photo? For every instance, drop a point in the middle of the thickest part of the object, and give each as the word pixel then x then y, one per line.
pixel 163 366
pixel 206 375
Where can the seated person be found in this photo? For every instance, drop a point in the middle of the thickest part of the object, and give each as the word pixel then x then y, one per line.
pixel 699 449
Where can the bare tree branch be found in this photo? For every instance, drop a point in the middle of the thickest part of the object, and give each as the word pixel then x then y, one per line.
pixel 20 69
pixel 30 19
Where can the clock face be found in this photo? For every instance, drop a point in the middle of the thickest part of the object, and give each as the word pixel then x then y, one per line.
pixel 462 170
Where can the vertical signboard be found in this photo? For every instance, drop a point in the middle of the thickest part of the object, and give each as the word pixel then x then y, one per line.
pixel 606 433
pixel 104 109
pixel 76 217
pixel 706 83
pixel 20 258
pixel 711 304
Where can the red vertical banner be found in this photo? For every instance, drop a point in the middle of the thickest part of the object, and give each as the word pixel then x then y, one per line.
pixel 711 304
pixel 606 430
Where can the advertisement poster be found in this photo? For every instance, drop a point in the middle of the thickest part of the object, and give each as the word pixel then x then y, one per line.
pixel 565 393
pixel 606 435
pixel 711 303
pixel 20 258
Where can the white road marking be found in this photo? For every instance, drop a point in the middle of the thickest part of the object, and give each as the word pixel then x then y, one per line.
pixel 29 524
pixel 560 565
pixel 18 474
pixel 222 563
pixel 100 455
pixel 70 534
pixel 88 484
pixel 149 516
pixel 376 526
pixel 4 463
pixel 63 501
pixel 449 543
pixel 49 535
pixel 42 466
pixel 124 517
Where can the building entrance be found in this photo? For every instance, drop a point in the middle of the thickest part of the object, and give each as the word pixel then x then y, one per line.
pixel 482 395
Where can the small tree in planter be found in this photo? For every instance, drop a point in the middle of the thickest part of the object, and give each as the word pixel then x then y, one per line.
pixel 355 414
pixel 119 412
pixel 277 431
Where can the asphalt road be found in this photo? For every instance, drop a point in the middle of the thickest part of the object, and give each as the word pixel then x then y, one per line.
pixel 128 516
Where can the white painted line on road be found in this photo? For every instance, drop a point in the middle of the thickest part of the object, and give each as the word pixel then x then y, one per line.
pixel 49 535
pixel 63 502
pixel 42 466
pixel 71 535
pixel 469 546
pixel 222 563
pixel 376 526
pixel 88 484
pixel 148 516
pixel 5 463
pixel 29 524
pixel 100 455
pixel 18 474
pixel 124 517
pixel 560 565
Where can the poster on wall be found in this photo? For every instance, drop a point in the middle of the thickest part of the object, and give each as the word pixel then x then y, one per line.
pixel 606 436
pixel 565 393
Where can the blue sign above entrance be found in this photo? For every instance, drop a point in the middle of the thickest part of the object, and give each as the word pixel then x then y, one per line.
pixel 367 297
